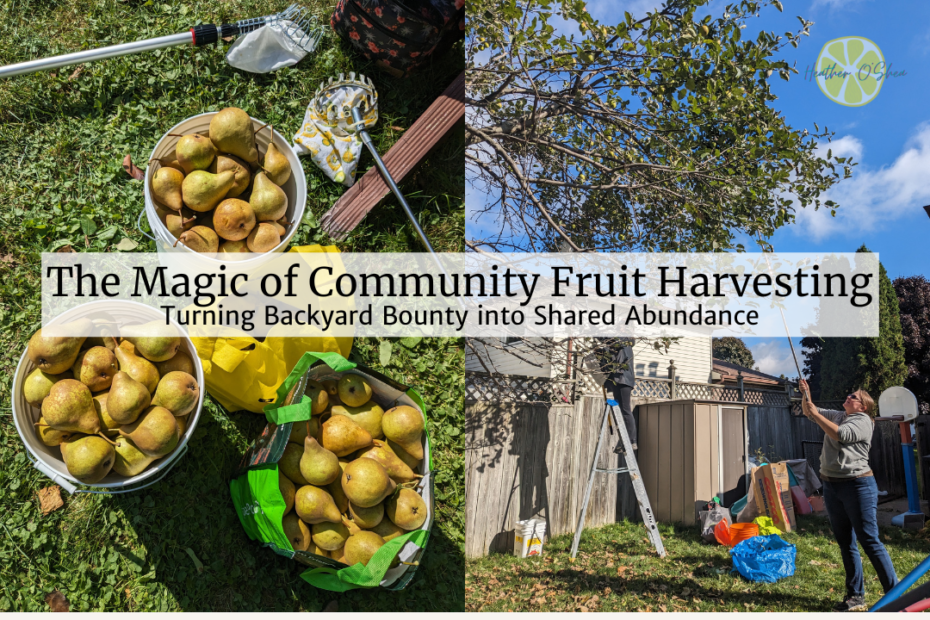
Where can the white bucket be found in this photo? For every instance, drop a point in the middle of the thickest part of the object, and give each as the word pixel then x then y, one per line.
pixel 295 187
pixel 48 459
pixel 528 537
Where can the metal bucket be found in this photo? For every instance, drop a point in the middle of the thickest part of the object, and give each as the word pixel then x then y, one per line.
pixel 48 459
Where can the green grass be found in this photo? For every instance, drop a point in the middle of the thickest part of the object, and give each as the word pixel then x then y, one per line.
pixel 63 136
pixel 618 570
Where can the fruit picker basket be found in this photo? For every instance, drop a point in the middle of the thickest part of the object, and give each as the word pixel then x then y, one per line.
pixel 49 458
pixel 165 155
pixel 266 501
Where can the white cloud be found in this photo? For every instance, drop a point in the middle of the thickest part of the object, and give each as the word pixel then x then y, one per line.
pixel 773 357
pixel 872 198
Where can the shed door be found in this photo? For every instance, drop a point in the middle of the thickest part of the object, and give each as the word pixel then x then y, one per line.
pixel 733 444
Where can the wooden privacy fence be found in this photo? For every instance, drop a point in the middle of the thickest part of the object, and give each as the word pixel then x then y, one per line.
pixel 526 457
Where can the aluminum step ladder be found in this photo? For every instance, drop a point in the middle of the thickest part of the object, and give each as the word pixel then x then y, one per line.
pixel 610 421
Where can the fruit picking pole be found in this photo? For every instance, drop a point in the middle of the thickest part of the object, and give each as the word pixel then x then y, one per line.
pixel 203 34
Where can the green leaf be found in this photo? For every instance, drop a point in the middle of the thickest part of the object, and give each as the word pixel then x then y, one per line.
pixel 126 245
pixel 107 233
pixel 88 227
pixel 384 352
pixel 411 341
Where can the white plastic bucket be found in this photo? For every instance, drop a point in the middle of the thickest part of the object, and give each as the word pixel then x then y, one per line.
pixel 295 187
pixel 528 537
pixel 48 459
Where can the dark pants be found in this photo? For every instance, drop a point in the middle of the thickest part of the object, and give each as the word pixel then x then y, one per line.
pixel 852 506
pixel 623 394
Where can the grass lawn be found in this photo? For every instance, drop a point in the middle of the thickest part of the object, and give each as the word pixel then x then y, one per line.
pixel 63 136
pixel 618 570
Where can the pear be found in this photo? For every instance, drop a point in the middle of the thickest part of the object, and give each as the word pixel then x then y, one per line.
pixel 302 430
pixel 289 464
pixel 182 424
pixel 174 164
pixel 368 416
pixel 202 190
pixel 137 367
pixel 166 187
pixel 276 165
pixel 95 368
pixel 239 168
pixel 127 399
pixel 200 239
pixel 315 550
pixel 194 152
pixel 108 426
pixel 69 406
pixel 181 362
pixel 387 530
pixel 318 396
pixel 318 465
pixel 406 509
pixel 332 388
pixel 234 247
pixel 233 219
pixel 366 483
pixel 231 131
pixel 155 432
pixel 56 354
pixel 158 342
pixel 339 554
pixel 360 548
pixel 342 436
pixel 130 460
pixel 263 238
pixel 88 458
pixel 409 461
pixel 396 468
pixel 177 392
pixel 179 223
pixel 288 491
pixel 329 536
pixel 279 227
pixel 51 437
pixel 296 531
pixel 354 391
pixel 267 199
pixel 38 384
pixel 335 489
pixel 366 518
pixel 404 426
pixel 314 505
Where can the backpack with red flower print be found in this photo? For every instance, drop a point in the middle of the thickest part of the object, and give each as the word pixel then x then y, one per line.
pixel 400 36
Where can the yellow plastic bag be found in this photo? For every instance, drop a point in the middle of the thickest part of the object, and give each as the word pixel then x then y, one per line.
pixel 243 373
pixel 766 526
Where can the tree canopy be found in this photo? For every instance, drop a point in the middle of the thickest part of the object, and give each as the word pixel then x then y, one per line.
pixel 733 350
pixel 914 303
pixel 652 134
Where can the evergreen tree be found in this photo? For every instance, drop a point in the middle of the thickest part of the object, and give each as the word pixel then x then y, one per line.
pixel 914 301
pixel 873 364
pixel 813 358
pixel 733 350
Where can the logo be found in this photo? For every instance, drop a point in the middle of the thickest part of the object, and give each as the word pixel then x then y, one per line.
pixel 851 71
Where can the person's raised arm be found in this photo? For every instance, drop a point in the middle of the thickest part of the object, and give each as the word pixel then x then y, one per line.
pixel 813 414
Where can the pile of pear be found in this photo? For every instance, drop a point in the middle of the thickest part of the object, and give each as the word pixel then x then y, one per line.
pixel 108 405
pixel 215 196
pixel 348 475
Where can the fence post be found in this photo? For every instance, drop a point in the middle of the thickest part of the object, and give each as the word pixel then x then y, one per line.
pixel 739 386
pixel 673 388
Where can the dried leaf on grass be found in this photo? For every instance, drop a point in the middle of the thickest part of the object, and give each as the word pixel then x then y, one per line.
pixel 50 499
pixel 57 601
pixel 132 169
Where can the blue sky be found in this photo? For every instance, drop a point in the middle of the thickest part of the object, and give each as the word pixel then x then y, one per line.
pixel 881 206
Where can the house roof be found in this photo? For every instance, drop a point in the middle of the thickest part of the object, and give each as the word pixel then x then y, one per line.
pixel 728 372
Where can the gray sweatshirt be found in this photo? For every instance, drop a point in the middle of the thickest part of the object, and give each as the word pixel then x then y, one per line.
pixel 848 457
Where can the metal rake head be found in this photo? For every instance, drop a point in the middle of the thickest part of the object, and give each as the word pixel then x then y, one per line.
pixel 296 22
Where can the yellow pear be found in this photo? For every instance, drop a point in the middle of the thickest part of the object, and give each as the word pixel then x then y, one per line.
pixel 136 366
pixel 38 384
pixel 360 548
pixel 296 531
pixel 315 505
pixel 387 529
pixel 367 518
pixel 318 396
pixel 233 219
pixel 127 399
pixel 342 436
pixel 329 535
pixel 318 465
pixel 354 391
pixel 95 368
pixel 200 239
pixel 181 361
pixel 263 238
pixel 276 165
pixel 56 354
pixel 289 463
pixel 88 458
pixel 231 130
pixel 156 341
pixel 69 406
pixel 304 429
pixel 108 426
pixel 267 199
pixel 194 152
pixel 404 426
pixel 243 176
pixel 234 247
pixel 51 437
pixel 366 483
pixel 396 468
pixel 178 392
pixel 335 489
pixel 155 432
pixel 130 460
pixel 288 491
pixel 406 509
pixel 178 223
pixel 368 416
pixel 202 190
pixel 166 187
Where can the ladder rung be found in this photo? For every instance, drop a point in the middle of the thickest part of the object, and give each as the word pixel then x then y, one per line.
pixel 622 470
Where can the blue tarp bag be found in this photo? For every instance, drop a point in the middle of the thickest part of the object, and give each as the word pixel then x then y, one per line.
pixel 764 558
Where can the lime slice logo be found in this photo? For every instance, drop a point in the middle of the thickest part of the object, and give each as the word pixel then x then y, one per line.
pixel 847 68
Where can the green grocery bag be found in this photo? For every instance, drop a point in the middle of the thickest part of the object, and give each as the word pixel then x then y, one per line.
pixel 260 505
